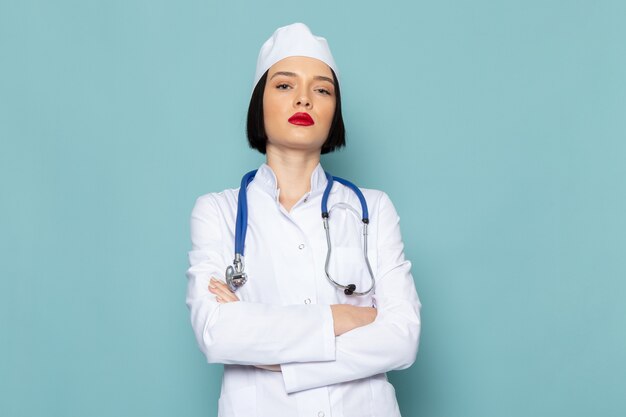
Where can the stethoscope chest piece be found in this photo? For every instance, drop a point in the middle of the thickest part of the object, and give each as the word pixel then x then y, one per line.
pixel 235 277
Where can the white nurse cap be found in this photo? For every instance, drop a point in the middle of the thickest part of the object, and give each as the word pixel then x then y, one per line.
pixel 293 40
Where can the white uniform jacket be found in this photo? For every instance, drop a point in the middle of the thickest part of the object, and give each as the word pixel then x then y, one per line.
pixel 284 315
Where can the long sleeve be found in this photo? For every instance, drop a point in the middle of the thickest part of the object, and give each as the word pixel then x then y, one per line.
pixel 241 332
pixel 391 341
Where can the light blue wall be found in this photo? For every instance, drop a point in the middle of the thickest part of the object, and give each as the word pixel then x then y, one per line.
pixel 497 128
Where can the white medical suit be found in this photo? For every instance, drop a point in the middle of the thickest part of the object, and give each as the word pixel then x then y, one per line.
pixel 284 315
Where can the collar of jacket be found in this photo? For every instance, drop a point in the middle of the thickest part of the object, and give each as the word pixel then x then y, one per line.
pixel 266 180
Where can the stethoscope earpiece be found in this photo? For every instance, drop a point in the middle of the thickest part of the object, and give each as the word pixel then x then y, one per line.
pixel 350 290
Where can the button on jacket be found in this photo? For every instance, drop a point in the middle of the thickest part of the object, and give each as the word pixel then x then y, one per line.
pixel 284 315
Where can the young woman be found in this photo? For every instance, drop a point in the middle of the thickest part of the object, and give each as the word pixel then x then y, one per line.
pixel 315 308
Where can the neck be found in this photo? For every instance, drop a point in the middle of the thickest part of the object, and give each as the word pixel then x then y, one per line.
pixel 293 170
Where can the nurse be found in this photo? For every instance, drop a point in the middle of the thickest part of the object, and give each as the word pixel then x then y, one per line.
pixel 293 344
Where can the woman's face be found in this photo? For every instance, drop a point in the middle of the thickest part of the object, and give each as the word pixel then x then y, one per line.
pixel 296 87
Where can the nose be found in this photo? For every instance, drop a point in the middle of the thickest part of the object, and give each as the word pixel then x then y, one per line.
pixel 304 101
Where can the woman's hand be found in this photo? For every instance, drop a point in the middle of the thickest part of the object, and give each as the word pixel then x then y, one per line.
pixel 274 368
pixel 347 317
pixel 223 294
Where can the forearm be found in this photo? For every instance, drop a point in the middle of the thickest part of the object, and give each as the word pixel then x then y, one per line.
pixel 260 334
pixel 390 343
pixel 345 318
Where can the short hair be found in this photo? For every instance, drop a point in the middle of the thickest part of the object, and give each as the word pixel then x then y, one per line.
pixel 257 138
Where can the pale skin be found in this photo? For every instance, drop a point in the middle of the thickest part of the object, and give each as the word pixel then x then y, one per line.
pixel 298 84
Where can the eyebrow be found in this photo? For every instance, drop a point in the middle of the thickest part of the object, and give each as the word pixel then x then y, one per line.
pixel 293 74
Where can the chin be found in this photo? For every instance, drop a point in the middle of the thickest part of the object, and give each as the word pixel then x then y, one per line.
pixel 295 145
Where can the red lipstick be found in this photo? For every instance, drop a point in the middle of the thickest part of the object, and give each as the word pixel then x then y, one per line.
pixel 301 119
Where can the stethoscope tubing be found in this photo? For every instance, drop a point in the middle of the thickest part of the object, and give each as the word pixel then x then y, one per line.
pixel 242 213
pixel 241 226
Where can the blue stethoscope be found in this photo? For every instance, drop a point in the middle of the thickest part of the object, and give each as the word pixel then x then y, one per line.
pixel 235 275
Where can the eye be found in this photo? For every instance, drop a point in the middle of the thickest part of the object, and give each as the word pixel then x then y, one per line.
pixel 324 91
pixel 282 86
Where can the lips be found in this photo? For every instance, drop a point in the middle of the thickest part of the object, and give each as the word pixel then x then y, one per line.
pixel 301 119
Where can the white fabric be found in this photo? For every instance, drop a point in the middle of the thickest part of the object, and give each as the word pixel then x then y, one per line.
pixel 293 40
pixel 284 315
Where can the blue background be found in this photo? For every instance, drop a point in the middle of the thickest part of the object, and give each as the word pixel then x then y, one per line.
pixel 497 128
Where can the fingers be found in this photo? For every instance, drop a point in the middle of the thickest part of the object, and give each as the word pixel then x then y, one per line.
pixel 274 368
pixel 223 294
